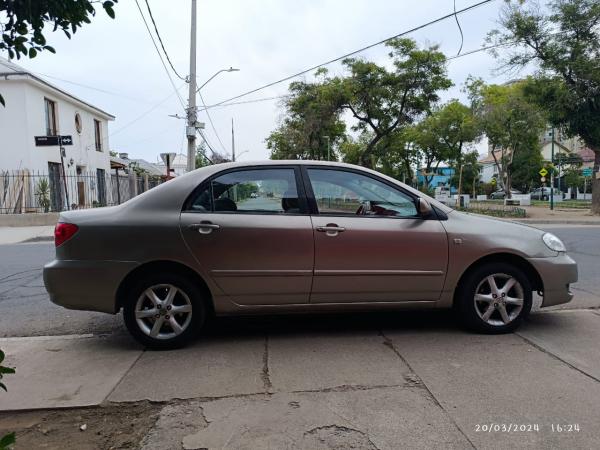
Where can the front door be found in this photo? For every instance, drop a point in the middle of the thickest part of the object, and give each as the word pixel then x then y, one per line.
pixel 249 229
pixel 370 243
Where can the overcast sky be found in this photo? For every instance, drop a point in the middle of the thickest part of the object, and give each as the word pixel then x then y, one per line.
pixel 266 39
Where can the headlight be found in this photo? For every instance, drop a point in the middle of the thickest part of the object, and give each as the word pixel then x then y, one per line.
pixel 553 243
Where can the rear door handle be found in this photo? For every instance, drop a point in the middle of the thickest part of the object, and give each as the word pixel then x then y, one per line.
pixel 331 229
pixel 204 227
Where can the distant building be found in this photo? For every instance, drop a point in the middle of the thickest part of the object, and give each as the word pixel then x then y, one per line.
pixel 440 177
pixel 35 107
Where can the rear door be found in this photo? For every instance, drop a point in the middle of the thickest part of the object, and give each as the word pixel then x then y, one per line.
pixel 250 230
pixel 370 243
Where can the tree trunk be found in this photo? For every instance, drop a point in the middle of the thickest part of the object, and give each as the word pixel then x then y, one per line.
pixel 596 183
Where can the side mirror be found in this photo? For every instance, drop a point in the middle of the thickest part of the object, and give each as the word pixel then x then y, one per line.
pixel 424 207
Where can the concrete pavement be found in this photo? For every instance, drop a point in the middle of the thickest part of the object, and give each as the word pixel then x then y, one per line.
pixel 418 384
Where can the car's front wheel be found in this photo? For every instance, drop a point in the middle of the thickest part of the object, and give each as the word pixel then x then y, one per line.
pixel 164 311
pixel 494 298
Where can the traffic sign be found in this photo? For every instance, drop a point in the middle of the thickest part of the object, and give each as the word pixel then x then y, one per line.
pixel 587 172
pixel 543 179
pixel 168 158
pixel 543 172
pixel 66 140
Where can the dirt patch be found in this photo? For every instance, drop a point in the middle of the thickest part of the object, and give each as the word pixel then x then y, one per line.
pixel 104 427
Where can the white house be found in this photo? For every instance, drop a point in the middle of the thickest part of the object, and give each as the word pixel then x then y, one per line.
pixel 35 107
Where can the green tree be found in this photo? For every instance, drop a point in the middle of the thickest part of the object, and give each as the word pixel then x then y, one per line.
pixel 312 127
pixel 384 101
pixel 22 23
pixel 564 42
pixel 512 124
pixel 444 135
pixel 7 440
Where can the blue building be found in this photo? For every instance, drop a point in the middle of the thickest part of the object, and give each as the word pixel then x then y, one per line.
pixel 441 177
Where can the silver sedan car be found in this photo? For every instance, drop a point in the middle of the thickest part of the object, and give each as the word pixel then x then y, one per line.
pixel 297 236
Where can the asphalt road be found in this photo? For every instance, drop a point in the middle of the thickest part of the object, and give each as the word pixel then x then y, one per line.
pixel 26 311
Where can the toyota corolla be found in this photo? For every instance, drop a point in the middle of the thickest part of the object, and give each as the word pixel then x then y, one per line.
pixel 297 236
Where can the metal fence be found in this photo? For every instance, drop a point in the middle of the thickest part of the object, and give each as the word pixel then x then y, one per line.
pixel 24 191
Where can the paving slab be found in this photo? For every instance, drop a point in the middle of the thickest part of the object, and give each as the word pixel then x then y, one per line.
pixel 572 336
pixel 481 380
pixel 64 371
pixel 302 362
pixel 375 419
pixel 211 367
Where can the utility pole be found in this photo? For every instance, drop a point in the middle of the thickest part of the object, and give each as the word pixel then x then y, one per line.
pixel 191 112
pixel 552 173
pixel 232 142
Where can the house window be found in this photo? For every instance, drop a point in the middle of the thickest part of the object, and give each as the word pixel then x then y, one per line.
pixel 98 135
pixel 78 124
pixel 50 110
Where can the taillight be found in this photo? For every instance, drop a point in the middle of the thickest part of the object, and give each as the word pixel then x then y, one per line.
pixel 63 232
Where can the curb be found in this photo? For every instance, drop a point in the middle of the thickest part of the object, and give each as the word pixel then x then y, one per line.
pixel 557 222
pixel 38 239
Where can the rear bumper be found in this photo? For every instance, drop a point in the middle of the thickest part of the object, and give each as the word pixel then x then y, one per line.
pixel 557 274
pixel 86 285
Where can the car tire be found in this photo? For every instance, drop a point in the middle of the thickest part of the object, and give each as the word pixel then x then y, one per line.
pixel 177 303
pixel 484 309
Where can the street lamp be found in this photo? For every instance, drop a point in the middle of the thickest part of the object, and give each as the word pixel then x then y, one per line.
pixel 237 157
pixel 231 69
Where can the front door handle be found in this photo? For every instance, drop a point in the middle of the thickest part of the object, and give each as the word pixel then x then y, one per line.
pixel 331 229
pixel 204 227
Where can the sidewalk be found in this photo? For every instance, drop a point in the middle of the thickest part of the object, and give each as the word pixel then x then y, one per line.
pixel 571 216
pixel 423 385
pixel 14 235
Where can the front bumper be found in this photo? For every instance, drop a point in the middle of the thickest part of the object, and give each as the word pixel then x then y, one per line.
pixel 86 285
pixel 557 273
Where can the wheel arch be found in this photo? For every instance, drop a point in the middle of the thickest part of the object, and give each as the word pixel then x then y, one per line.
pixel 163 266
pixel 510 258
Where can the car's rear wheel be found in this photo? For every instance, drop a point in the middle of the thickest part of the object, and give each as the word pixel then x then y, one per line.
pixel 494 298
pixel 164 311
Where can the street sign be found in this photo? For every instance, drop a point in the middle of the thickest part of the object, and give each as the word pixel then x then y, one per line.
pixel 493 182
pixel 587 172
pixel 168 158
pixel 543 179
pixel 66 140
pixel 45 141
pixel 543 172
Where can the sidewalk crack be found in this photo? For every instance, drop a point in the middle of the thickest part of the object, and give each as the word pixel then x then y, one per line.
pixel 388 343
pixel 266 378
pixel 552 355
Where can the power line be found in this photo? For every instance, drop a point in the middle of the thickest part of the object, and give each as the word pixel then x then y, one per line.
pixel 211 122
pixel 462 37
pixel 264 99
pixel 161 42
pixel 360 50
pixel 159 55
pixel 145 113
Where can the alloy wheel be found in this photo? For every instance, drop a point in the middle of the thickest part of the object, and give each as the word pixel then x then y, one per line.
pixel 499 299
pixel 163 311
